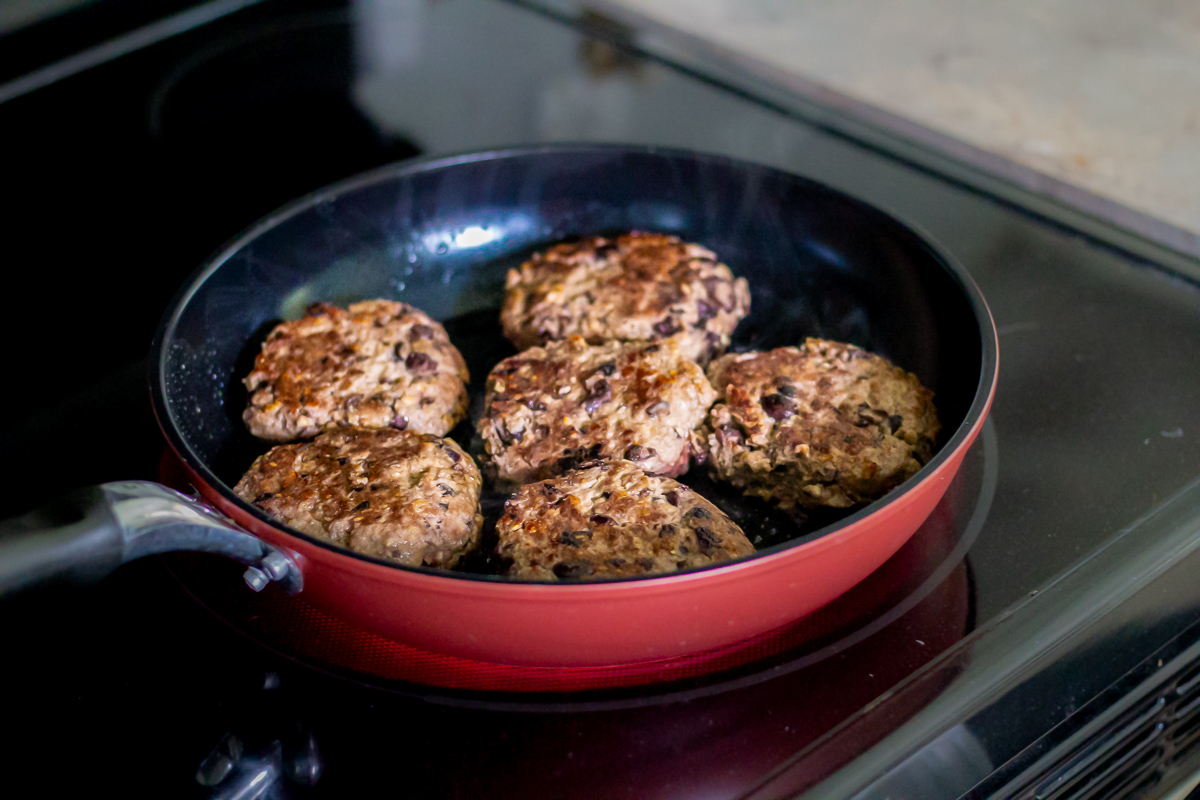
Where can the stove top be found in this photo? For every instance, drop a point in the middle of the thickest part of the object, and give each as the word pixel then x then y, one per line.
pixel 1050 597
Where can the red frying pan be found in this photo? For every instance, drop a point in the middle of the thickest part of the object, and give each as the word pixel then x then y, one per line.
pixel 439 234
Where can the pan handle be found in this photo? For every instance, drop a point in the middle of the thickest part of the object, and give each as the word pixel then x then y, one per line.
pixel 86 535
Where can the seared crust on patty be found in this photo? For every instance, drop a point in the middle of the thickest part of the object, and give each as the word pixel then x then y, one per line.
pixel 399 495
pixel 548 409
pixel 638 286
pixel 611 520
pixel 825 424
pixel 378 364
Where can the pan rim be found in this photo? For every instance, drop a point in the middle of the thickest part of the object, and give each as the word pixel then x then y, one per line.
pixel 962 436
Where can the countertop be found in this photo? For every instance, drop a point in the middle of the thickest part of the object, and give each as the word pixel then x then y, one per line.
pixel 1101 95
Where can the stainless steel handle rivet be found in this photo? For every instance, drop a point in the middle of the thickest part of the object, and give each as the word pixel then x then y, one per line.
pixel 276 565
pixel 155 519
pixel 220 762
pixel 256 579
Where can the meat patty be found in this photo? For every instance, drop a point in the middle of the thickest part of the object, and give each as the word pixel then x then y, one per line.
pixel 550 408
pixel 825 424
pixel 407 497
pixel 612 520
pixel 638 286
pixel 378 364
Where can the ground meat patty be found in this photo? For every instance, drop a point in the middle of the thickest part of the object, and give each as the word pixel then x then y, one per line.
pixel 636 287
pixel 825 424
pixel 404 496
pixel 379 364
pixel 548 409
pixel 612 520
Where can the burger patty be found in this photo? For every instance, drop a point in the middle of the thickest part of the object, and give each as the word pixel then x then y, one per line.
pixel 639 286
pixel 407 497
pixel 612 520
pixel 378 364
pixel 550 408
pixel 825 424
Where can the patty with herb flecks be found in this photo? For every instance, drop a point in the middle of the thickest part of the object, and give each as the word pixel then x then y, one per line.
pixel 407 497
pixel 376 364
pixel 550 408
pixel 635 287
pixel 824 424
pixel 612 520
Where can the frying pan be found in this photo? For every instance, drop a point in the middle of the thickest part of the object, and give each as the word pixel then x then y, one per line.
pixel 440 234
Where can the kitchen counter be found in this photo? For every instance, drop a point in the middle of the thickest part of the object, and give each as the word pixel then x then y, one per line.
pixel 1098 100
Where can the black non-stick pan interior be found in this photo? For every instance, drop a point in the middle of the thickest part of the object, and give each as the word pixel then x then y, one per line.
pixel 441 234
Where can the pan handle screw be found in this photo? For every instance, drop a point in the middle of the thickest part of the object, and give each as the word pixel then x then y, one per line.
pixel 276 565
pixel 220 762
pixel 256 579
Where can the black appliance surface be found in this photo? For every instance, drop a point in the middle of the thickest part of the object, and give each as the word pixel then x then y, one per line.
pixel 1040 640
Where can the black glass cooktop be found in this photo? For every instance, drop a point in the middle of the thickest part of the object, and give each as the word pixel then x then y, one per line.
pixel 1058 565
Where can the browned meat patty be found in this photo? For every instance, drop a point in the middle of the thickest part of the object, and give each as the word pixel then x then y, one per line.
pixel 825 424
pixel 636 287
pixel 611 520
pixel 378 364
pixel 407 497
pixel 548 409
